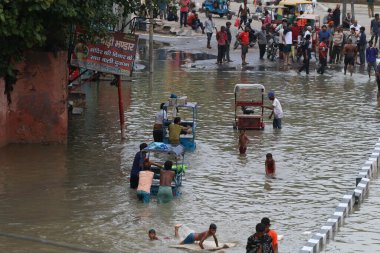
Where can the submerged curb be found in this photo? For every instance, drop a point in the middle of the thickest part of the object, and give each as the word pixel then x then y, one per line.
pixel 319 240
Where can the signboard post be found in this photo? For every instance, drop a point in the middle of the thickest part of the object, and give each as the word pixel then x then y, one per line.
pixel 114 55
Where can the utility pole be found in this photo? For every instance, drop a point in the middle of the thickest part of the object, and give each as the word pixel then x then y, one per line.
pixel 121 107
pixel 151 23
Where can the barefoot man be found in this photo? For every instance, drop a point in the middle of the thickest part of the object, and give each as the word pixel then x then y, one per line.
pixel 165 193
pixel 350 51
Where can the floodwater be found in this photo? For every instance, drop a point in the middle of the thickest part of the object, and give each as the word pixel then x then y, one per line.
pixel 79 194
pixel 360 232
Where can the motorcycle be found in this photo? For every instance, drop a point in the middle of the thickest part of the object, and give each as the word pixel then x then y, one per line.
pixel 272 46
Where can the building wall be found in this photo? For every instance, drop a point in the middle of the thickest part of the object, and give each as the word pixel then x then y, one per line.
pixel 38 113
pixel 3 115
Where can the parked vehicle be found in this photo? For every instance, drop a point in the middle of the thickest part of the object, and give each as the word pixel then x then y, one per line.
pixel 294 7
pixel 164 152
pixel 249 113
pixel 274 10
pixel 218 7
pixel 272 46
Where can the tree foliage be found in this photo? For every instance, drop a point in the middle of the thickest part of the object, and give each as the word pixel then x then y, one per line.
pixel 48 25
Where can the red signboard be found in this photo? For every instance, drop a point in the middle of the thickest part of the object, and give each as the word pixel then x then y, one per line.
pixel 113 55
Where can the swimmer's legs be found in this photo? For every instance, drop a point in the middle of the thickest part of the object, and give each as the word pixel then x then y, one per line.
pixel 176 228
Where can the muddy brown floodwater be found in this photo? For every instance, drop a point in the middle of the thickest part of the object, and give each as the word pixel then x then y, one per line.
pixel 79 194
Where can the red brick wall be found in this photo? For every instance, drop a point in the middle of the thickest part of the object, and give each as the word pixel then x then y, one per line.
pixel 38 113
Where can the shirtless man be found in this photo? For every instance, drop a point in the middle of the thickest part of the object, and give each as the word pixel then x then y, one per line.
pixel 243 142
pixel 350 51
pixel 165 193
pixel 193 237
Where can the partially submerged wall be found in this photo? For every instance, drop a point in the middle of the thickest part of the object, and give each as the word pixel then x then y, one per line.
pixel 346 206
pixel 38 112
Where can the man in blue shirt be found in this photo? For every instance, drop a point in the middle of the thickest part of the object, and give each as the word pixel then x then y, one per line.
pixel 371 55
pixel 324 34
pixel 137 166
pixel 375 28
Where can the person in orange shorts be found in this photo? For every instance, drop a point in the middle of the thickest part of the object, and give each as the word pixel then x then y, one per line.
pixel 273 234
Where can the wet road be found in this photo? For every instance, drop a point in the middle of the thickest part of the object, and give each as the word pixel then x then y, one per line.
pixel 79 194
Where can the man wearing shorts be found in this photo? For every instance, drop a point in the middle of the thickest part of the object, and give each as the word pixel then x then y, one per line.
pixel 288 39
pixel 193 237
pixel 165 193
pixel 244 41
pixel 350 50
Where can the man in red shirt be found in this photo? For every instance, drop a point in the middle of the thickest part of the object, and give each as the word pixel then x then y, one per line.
pixel 322 49
pixel 191 18
pixel 222 38
pixel 295 33
pixel 184 10
pixel 243 38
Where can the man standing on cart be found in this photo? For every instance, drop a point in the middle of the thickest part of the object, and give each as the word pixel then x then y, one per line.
pixel 276 110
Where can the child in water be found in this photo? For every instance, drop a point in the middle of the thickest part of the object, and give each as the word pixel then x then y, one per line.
pixel 243 142
pixel 270 166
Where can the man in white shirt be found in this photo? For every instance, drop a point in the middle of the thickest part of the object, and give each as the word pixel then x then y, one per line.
pixel 209 28
pixel 356 26
pixel 158 121
pixel 288 44
pixel 308 31
pixel 276 110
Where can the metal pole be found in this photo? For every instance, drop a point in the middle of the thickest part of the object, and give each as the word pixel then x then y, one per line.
pixel 353 9
pixel 121 108
pixel 344 11
pixel 151 39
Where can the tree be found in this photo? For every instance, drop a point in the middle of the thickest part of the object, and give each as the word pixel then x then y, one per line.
pixel 49 25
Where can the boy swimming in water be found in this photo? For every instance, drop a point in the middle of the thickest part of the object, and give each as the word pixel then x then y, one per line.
pixel 193 237
pixel 270 166
pixel 243 142
pixel 152 235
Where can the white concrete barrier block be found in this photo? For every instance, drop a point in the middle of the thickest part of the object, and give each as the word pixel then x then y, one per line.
pixel 331 227
pixel 358 195
pixel 349 198
pixel 335 219
pixel 361 189
pixel 366 180
pixel 307 249
pixel 313 243
pixel 376 155
pixel 323 234
pixel 371 164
